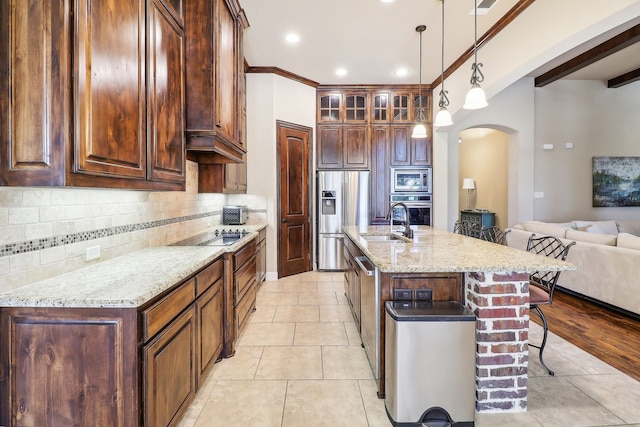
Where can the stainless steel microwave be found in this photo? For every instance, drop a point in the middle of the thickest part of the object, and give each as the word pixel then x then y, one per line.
pixel 411 179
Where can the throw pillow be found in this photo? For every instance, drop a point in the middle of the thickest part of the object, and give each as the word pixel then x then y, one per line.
pixel 583 236
pixel 629 241
pixel 603 227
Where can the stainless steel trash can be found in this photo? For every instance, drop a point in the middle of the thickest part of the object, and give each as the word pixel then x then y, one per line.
pixel 430 365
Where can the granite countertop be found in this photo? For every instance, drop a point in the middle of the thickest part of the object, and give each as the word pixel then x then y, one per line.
pixel 432 250
pixel 129 280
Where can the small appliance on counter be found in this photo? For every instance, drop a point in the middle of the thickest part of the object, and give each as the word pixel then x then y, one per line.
pixel 234 215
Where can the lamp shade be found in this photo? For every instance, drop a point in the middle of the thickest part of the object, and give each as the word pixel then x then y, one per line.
pixel 475 98
pixel 443 118
pixel 468 184
pixel 419 131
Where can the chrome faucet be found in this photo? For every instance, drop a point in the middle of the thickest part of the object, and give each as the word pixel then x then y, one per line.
pixel 408 232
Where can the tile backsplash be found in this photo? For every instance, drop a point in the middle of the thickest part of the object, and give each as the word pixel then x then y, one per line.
pixel 46 231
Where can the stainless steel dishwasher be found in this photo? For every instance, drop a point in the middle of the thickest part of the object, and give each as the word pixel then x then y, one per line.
pixel 370 312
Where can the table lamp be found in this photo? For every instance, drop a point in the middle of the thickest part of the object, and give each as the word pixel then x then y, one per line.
pixel 468 184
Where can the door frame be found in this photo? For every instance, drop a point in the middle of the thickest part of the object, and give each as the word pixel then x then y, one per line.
pixel 281 124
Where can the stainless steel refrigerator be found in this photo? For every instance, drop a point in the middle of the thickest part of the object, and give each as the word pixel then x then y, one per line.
pixel 343 199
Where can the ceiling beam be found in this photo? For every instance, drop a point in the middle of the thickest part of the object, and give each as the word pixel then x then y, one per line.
pixel 611 46
pixel 510 16
pixel 625 79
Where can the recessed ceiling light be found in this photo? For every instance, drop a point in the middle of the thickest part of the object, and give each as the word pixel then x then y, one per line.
pixel 292 38
pixel 401 72
pixel 341 72
pixel 387 1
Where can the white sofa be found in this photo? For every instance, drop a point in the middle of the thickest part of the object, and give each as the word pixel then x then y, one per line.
pixel 607 256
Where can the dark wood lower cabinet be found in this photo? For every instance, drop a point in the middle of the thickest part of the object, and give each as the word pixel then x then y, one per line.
pixel 69 367
pixel 170 375
pixel 112 367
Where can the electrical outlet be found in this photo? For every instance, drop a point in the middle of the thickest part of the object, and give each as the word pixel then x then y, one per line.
pixel 92 253
pixel 402 294
pixel 423 294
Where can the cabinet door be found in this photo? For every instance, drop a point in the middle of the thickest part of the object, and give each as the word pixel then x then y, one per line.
pixel 401 110
pixel 329 147
pixel 165 109
pixel 226 77
pixel 34 91
pixel 210 326
pixel 421 151
pixel 330 107
pixel 170 373
pixel 109 89
pixel 380 177
pixel 356 107
pixel 69 367
pixel 356 153
pixel 400 145
pixel 380 107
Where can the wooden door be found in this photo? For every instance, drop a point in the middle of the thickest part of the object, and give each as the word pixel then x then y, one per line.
pixel 294 193
pixel 165 110
pixel 110 106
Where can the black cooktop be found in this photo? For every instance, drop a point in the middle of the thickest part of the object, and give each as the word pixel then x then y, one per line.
pixel 224 237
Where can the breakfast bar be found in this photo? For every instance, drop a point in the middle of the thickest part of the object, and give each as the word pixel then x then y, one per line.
pixel 491 280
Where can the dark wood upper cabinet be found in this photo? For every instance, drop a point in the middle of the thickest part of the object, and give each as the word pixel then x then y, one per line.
pixel 165 109
pixel 380 174
pixel 92 95
pixel 213 73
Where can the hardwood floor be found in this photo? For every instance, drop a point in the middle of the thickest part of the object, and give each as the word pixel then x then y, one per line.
pixel 610 336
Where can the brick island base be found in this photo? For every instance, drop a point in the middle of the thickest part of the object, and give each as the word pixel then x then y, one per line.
pixel 500 302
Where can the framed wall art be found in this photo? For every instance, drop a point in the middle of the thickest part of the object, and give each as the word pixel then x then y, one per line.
pixel 616 181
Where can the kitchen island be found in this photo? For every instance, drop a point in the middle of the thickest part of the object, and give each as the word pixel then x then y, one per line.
pixel 124 342
pixel 491 280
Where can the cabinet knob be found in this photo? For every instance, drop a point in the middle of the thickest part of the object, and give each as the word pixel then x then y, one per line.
pixel 218 124
pixel 284 220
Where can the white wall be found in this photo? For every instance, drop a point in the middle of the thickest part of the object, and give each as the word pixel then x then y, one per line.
pixel 599 122
pixel 269 98
pixel 512 112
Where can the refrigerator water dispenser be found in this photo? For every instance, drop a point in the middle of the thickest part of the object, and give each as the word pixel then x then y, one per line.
pixel 328 203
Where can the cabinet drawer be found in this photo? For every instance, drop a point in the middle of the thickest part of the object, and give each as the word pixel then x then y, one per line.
pixel 244 254
pixel 160 314
pixel 244 279
pixel 209 276
pixel 244 308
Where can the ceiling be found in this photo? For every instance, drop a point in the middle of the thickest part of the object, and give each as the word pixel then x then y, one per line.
pixel 371 39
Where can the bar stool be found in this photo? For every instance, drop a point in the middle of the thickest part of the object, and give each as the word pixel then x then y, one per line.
pixel 542 284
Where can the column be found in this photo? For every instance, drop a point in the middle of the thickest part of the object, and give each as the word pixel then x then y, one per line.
pixel 500 302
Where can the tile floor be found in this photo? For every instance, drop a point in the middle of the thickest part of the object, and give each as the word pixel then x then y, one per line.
pixel 299 363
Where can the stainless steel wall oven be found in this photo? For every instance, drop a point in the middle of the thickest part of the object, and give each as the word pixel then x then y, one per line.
pixel 418 204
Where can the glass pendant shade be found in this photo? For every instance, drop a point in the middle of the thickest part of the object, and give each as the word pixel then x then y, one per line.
pixel 443 118
pixel 419 131
pixel 475 98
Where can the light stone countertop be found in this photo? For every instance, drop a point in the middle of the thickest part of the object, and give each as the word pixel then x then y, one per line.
pixel 129 280
pixel 433 250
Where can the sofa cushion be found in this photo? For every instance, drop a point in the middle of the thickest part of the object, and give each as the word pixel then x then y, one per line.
pixel 539 227
pixel 583 236
pixel 629 241
pixel 631 227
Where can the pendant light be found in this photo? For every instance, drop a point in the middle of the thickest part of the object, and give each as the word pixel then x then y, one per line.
pixel 419 130
pixel 475 97
pixel 443 118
